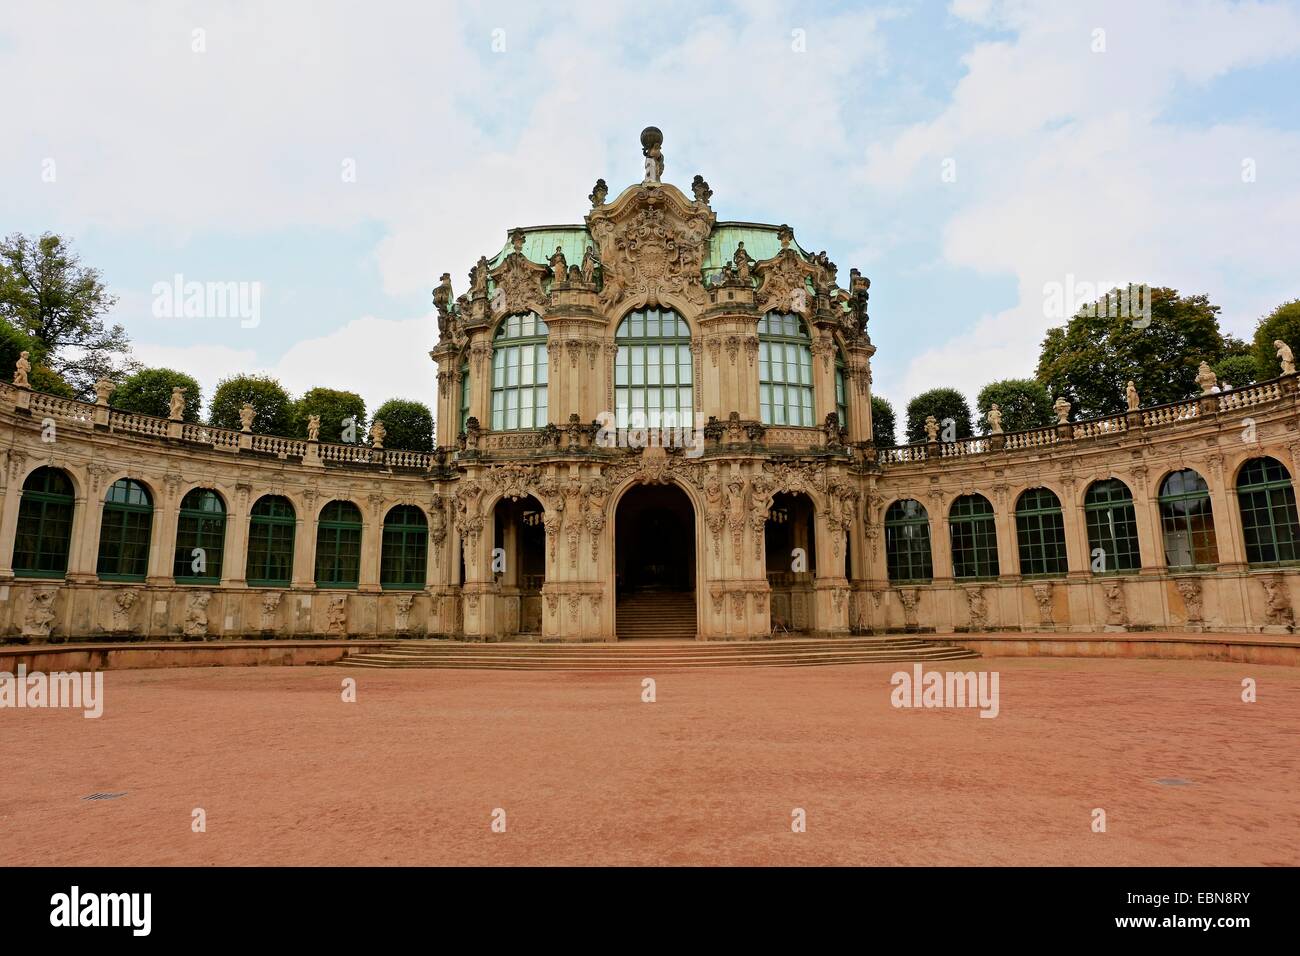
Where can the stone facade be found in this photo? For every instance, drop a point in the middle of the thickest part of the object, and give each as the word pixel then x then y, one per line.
pixel 523 524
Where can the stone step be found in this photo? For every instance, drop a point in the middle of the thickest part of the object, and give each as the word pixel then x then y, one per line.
pixel 516 656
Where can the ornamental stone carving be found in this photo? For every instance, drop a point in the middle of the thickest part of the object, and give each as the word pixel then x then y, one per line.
pixel 518 281
pixel 270 606
pixel 783 279
pixel 336 622
pixel 1043 598
pixel 977 608
pixel 1116 605
pixel 651 242
pixel 1191 592
pixel 1277 601
pixel 40 614
pixel 909 598
pixel 123 602
pixel 402 613
pixel 195 627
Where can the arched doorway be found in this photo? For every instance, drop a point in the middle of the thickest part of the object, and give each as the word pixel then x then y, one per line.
pixel 790 537
pixel 654 564
pixel 519 563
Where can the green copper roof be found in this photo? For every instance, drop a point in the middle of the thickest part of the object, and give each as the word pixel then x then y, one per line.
pixel 760 242
pixel 540 243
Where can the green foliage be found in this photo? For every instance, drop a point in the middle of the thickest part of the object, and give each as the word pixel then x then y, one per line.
pixel 149 392
pixel 1238 370
pixel 883 423
pixel 333 406
pixel 13 343
pixel 272 403
pixel 1024 404
pixel 1092 358
pixel 942 403
pixel 409 425
pixel 1282 323
pixel 45 291
pixel 43 379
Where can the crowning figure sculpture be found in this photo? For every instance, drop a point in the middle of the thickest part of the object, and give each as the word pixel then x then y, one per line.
pixel 1285 357
pixel 651 141
pixel 21 368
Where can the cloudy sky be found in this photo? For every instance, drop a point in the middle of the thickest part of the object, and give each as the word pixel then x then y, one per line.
pixel 343 155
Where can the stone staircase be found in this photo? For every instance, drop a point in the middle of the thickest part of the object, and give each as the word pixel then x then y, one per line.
pixel 643 654
pixel 666 615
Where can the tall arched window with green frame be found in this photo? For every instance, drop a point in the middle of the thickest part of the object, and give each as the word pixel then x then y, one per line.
pixel 519 373
pixel 405 549
pixel 271 530
pixel 464 395
pixel 785 383
pixel 1187 521
pixel 974 538
pixel 653 371
pixel 338 546
pixel 841 392
pixel 44 534
pixel 907 541
pixel 1040 534
pixel 1112 527
pixel 200 538
pixel 124 532
pixel 1268 512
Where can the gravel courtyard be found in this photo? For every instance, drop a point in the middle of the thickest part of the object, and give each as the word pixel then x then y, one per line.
pixel 586 772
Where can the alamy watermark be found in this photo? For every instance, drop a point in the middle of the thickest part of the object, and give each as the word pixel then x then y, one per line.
pixel 1065 300
pixel 82 690
pixel 946 689
pixel 179 299
pixel 668 429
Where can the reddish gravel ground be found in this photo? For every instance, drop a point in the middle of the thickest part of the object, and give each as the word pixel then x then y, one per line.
pixel 709 774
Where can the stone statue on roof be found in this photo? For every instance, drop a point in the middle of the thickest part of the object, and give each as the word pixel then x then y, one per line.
pixel 651 142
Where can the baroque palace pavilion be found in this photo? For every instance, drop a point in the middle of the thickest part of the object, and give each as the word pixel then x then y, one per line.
pixel 651 423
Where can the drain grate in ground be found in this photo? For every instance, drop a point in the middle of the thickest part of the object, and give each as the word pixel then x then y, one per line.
pixel 1173 782
pixel 104 796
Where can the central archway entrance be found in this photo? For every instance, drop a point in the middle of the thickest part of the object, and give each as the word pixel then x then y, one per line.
pixel 654 564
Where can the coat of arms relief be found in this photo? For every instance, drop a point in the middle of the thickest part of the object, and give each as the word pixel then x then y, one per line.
pixel 652 242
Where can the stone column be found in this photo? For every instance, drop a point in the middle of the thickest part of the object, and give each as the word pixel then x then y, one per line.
pixel 83 551
pixel 857 385
pixel 9 504
pixel 726 363
pixel 234 559
pixel 162 535
pixel 372 535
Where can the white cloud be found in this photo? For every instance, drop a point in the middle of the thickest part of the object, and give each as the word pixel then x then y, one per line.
pixel 1066 168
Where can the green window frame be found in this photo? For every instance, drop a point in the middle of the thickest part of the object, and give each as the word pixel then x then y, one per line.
pixel 785 380
pixel 464 395
pixel 124 532
pixel 907 542
pixel 654 371
pixel 272 527
pixel 1269 522
pixel 519 373
pixel 1040 534
pixel 974 534
pixel 44 535
pixel 1187 521
pixel 405 549
pixel 841 392
pixel 338 546
pixel 1112 527
pixel 201 525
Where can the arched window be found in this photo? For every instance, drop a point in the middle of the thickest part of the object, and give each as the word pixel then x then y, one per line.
pixel 841 393
pixel 1268 512
pixel 200 538
pixel 907 541
pixel 44 525
pixel 271 530
pixel 1040 534
pixel 338 546
pixel 464 395
pixel 653 371
pixel 1187 521
pixel 1112 527
pixel 405 549
pixel 124 533
pixel 519 373
pixel 974 538
pixel 785 386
